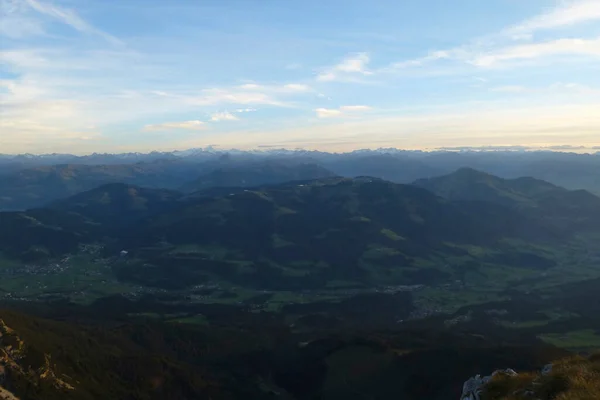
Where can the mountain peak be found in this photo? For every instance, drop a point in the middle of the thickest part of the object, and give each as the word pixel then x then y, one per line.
pixel 472 172
pixel 121 201
pixel 553 203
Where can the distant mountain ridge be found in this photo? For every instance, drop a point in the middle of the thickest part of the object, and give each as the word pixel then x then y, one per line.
pixel 32 181
pixel 363 230
pixel 257 174
pixel 471 184
pixel 118 202
pixel 42 185
pixel 563 208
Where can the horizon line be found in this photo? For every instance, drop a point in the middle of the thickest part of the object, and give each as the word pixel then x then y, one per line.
pixel 567 149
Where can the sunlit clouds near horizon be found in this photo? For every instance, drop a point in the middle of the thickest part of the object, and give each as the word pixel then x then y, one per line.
pixel 96 76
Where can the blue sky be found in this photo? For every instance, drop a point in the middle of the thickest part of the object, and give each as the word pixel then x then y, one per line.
pixel 87 76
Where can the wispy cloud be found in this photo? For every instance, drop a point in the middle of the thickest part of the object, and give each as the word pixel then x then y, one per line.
pixel 505 48
pixel 69 17
pixel 328 112
pixel 15 23
pixel 510 89
pixel 223 116
pixel 216 96
pixel 342 111
pixel 65 75
pixel 53 90
pixel 250 86
pixel 297 87
pixel 567 14
pixel 247 94
pixel 558 47
pixel 285 88
pixel 558 88
pixel 417 62
pixel 354 108
pixel 505 126
pixel 194 125
pixel 347 70
pixel 575 88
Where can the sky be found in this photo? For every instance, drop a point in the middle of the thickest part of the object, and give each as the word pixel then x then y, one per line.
pixel 84 76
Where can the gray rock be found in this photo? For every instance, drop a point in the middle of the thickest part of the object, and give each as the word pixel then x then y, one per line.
pixel 547 369
pixel 473 388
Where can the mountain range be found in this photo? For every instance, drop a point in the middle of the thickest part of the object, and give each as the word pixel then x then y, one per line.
pixel 310 233
pixel 256 174
pixel 28 181
pixel 246 277
pixel 249 277
pixel 567 209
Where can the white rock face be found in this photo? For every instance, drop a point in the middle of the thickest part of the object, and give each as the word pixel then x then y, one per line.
pixel 473 388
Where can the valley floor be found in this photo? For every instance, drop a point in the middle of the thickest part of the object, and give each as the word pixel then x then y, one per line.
pixel 549 304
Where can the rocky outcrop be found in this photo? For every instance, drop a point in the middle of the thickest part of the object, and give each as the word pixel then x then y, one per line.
pixel 6 395
pixel 574 377
pixel 13 351
pixel 473 388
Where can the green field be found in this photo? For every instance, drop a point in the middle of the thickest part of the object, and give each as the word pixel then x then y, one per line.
pixel 586 339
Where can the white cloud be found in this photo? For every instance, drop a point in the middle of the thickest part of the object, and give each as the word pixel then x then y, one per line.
pixel 328 112
pixel 70 18
pixel 348 69
pixel 500 47
pixel 250 86
pixel 575 88
pixel 489 125
pixel 286 88
pixel 567 14
pixel 509 89
pixel 355 108
pixel 296 87
pixel 357 63
pixel 559 88
pixel 167 126
pixel 71 86
pixel 485 56
pixel 326 76
pixel 17 27
pixel 23 59
pixel 217 96
pixel 223 116
pixel 340 112
pixel 57 91
pixel 417 62
pixel 537 50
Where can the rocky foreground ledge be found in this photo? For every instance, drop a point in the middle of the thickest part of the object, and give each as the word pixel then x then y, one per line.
pixel 6 395
pixel 20 363
pixel 575 378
